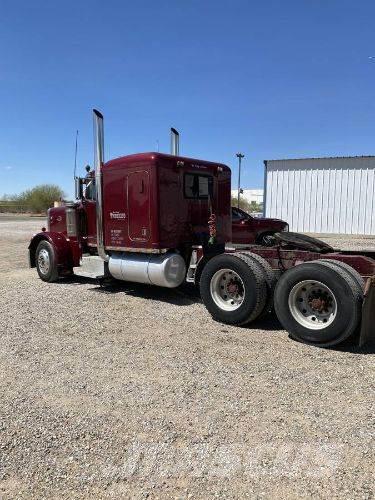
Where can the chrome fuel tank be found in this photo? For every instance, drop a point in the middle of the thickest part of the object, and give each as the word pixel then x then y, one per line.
pixel 167 270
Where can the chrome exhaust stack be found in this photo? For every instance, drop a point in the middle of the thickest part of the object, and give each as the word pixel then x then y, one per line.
pixel 99 160
pixel 175 142
pixel 77 188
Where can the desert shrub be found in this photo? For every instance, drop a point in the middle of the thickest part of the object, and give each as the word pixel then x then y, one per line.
pixel 37 199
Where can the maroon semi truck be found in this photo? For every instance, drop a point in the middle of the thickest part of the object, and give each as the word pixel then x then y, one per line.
pixel 163 219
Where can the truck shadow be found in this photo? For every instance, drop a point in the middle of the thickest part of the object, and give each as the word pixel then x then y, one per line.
pixel 351 346
pixel 269 322
pixel 184 295
pixel 187 294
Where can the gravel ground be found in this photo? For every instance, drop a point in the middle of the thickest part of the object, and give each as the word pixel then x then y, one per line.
pixel 134 392
pixel 345 242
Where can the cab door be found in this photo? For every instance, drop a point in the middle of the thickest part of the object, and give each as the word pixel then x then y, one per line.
pixel 89 205
pixel 138 190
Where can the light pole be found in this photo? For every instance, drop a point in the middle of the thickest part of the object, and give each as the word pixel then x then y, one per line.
pixel 239 156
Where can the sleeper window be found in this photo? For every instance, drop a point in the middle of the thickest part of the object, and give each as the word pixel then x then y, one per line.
pixel 197 186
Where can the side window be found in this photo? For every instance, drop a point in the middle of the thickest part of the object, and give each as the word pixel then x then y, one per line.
pixel 197 186
pixel 90 193
pixel 203 186
pixel 235 214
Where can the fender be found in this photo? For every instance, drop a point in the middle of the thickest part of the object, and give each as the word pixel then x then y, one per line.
pixel 62 247
pixel 198 260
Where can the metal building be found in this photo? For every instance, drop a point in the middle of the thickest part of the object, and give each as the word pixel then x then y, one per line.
pixel 322 195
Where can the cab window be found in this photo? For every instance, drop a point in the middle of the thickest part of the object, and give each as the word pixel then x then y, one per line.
pixel 236 214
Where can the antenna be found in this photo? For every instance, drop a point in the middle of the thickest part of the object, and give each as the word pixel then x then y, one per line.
pixel 75 155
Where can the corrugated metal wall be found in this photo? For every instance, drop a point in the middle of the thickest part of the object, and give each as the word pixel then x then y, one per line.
pixel 322 195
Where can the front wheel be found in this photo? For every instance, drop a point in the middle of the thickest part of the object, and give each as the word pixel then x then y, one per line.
pixel 317 304
pixel 46 262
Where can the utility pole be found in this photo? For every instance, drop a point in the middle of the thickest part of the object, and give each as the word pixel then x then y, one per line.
pixel 239 156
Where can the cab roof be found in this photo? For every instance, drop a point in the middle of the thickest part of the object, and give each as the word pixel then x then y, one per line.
pixel 153 157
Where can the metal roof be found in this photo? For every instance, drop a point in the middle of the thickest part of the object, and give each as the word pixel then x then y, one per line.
pixel 322 158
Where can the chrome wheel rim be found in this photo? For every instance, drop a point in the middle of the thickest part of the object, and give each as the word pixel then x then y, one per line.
pixel 312 304
pixel 227 289
pixel 43 261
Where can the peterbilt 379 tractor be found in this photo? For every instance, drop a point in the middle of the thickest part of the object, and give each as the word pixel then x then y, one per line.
pixel 163 219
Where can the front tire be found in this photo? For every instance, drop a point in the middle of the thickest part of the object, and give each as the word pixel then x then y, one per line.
pixel 317 304
pixel 45 260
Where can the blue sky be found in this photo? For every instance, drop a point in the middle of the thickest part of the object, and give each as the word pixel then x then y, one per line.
pixel 272 79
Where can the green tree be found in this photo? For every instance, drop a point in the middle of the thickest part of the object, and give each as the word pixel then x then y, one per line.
pixel 249 207
pixel 40 198
pixel 255 207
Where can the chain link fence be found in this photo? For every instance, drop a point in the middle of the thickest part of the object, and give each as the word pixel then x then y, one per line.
pixel 13 207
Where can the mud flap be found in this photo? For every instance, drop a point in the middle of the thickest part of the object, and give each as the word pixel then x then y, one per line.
pixel 368 314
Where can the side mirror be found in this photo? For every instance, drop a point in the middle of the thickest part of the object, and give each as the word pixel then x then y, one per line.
pixel 78 185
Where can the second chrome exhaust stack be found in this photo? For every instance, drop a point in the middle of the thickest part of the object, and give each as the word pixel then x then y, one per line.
pixel 175 142
pixel 99 160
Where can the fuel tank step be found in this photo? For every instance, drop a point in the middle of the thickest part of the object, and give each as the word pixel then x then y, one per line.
pixel 92 266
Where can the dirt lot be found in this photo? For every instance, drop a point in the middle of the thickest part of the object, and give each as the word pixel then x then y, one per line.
pixel 135 392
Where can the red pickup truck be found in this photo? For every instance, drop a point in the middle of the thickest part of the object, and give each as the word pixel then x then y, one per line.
pixel 247 229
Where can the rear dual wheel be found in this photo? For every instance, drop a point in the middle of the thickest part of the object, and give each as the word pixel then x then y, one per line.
pixel 319 303
pixel 269 276
pixel 234 288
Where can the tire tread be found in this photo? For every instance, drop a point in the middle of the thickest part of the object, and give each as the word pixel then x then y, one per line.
pixel 261 284
pixel 346 267
pixel 271 281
